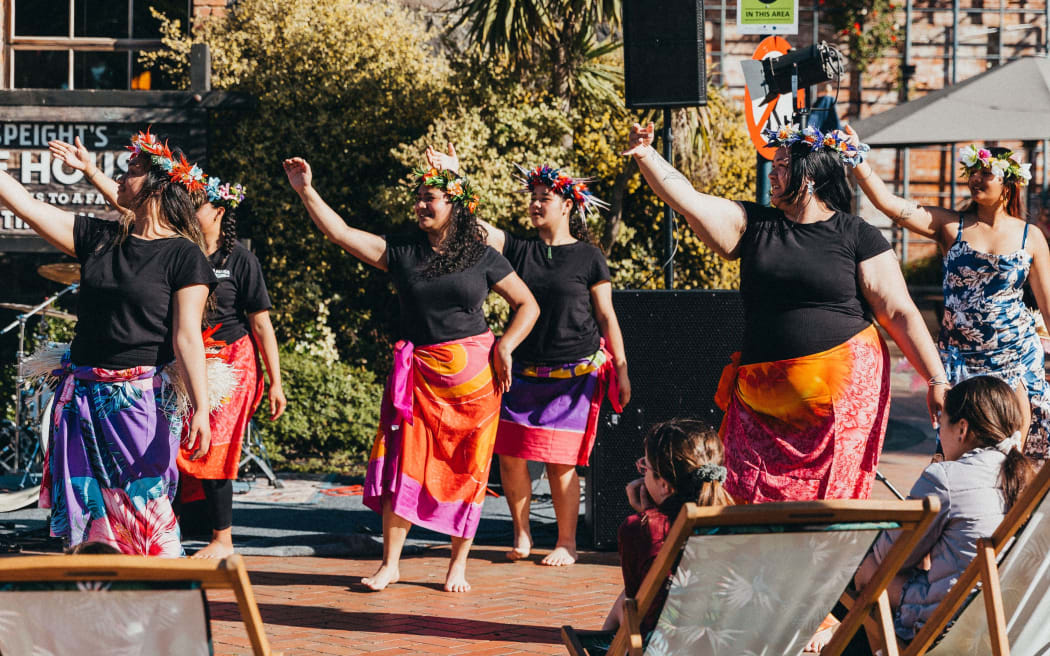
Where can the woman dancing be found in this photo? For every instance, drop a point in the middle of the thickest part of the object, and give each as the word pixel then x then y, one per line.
pixel 239 331
pixel 807 399
pixel 110 474
pixel 989 253
pixel 437 427
pixel 571 359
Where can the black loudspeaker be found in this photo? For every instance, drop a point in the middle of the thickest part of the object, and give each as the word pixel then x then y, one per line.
pixel 664 53
pixel 677 344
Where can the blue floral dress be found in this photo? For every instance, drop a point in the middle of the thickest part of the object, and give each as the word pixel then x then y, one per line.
pixel 988 330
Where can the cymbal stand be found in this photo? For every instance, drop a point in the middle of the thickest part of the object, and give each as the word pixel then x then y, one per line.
pixel 20 322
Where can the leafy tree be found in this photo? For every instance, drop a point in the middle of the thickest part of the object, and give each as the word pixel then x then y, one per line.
pixel 343 89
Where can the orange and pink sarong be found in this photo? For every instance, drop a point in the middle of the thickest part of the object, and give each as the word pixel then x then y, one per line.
pixel 806 428
pixel 437 429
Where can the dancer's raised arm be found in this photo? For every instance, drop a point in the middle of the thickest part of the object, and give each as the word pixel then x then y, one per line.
pixel 51 223
pixel 78 158
pixel 925 220
pixel 719 223
pixel 365 246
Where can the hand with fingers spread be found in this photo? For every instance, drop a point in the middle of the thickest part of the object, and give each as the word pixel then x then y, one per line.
pixel 74 155
pixel 300 176
pixel 640 140
pixel 443 161
pixel 854 138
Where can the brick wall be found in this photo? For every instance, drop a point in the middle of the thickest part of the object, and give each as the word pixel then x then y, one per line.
pixel 206 8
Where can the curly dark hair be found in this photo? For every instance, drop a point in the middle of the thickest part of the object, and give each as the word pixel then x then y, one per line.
pixel 463 246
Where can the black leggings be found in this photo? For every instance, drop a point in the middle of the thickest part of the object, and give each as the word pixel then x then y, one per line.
pixel 218 497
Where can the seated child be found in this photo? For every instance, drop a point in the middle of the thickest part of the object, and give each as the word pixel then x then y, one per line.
pixel 981 476
pixel 682 463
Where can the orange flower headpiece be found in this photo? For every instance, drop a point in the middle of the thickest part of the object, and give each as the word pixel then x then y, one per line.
pixel 180 171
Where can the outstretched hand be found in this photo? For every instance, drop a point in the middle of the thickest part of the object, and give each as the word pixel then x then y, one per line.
pixel 299 174
pixel 854 138
pixel 75 157
pixel 639 139
pixel 443 161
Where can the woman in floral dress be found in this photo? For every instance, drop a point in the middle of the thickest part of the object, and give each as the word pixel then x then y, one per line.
pixel 989 254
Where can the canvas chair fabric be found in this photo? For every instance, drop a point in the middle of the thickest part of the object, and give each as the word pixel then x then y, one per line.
pixel 118 605
pixel 763 581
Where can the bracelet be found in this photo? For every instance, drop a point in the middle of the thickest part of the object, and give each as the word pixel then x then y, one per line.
pixel 937 380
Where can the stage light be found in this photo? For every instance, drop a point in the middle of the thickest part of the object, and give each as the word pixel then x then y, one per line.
pixel 768 78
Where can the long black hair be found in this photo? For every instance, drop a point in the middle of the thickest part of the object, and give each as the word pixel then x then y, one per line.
pixel 827 172
pixel 462 248
pixel 174 204
pixel 578 226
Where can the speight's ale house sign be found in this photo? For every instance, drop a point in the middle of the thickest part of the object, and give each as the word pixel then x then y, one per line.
pixel 105 122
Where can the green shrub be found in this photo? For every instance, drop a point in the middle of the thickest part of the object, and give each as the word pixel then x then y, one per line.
pixel 923 271
pixel 332 415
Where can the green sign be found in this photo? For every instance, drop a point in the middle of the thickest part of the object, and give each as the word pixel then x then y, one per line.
pixel 767 16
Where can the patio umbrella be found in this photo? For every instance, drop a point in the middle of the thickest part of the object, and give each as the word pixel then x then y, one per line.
pixel 1006 103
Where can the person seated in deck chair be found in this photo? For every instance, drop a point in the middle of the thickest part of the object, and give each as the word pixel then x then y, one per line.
pixel 983 472
pixel 682 463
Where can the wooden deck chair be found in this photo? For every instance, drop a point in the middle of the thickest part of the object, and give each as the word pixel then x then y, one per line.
pixel 1012 570
pixel 116 604
pixel 759 579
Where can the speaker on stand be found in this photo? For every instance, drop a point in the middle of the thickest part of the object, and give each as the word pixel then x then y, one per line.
pixel 677 344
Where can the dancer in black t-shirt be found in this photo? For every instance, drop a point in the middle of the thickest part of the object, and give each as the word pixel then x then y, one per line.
pixel 240 330
pixel 808 398
pixel 437 427
pixel 571 359
pixel 110 473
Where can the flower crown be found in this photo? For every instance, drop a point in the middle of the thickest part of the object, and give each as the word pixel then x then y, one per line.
pixel 1006 166
pixel 224 194
pixel 452 183
pixel 836 141
pixel 575 189
pixel 179 170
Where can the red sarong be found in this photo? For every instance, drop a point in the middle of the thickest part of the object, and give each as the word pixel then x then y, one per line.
pixel 228 422
pixel 806 428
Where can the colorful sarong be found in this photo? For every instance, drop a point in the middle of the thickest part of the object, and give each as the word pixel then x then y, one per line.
pixel 228 421
pixel 109 473
pixel 550 413
pixel 436 431
pixel 806 428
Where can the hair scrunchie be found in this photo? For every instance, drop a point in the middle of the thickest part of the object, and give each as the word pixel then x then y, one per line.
pixel 1010 443
pixel 709 474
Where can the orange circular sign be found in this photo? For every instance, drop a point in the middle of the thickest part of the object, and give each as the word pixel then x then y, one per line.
pixel 759 117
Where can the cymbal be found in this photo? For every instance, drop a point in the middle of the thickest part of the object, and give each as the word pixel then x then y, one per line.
pixel 51 312
pixel 66 273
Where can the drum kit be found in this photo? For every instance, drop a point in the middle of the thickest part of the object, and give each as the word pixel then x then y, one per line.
pixel 24 440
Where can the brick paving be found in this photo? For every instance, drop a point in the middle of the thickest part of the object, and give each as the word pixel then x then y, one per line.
pixel 315 606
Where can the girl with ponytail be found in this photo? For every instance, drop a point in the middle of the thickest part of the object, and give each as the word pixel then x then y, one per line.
pixel 980 478
pixel 572 358
pixel 683 463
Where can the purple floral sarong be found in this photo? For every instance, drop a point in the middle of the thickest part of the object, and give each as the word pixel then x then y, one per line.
pixel 110 474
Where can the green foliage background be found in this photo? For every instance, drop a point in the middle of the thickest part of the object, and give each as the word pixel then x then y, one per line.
pixel 360 88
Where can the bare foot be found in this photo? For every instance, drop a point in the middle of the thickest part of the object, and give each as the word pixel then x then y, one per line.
pixel 383 577
pixel 561 556
pixel 456 581
pixel 522 547
pixel 214 549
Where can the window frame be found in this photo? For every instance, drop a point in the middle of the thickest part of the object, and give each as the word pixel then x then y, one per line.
pixel 71 43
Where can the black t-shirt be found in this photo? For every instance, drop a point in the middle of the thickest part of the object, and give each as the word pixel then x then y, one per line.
pixel 799 282
pixel 444 308
pixel 126 305
pixel 560 277
pixel 241 291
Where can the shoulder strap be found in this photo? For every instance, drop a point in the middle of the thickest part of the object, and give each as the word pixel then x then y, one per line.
pixel 1024 237
pixel 958 235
